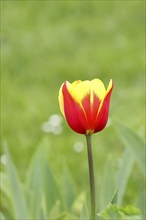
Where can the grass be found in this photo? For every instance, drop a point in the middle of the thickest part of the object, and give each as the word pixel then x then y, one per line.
pixel 45 43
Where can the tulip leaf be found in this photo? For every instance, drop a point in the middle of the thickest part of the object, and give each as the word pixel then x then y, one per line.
pixel 84 213
pixel 2 217
pixel 5 184
pixel 124 174
pixel 112 212
pixel 55 211
pixel 6 194
pixel 121 213
pixel 134 143
pixel 68 190
pixel 41 184
pixel 109 185
pixel 19 199
pixel 78 203
pixel 115 197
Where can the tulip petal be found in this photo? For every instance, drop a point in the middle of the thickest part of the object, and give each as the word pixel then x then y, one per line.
pixel 61 102
pixel 73 110
pixel 110 85
pixel 91 105
pixel 98 88
pixel 80 89
pixel 76 82
pixel 102 115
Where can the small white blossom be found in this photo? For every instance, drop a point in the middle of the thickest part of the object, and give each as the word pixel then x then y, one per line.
pixel 53 125
pixel 78 147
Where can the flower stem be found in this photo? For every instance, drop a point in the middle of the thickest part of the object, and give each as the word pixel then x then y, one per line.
pixel 91 175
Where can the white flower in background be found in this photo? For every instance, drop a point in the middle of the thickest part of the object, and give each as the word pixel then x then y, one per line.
pixel 78 147
pixel 53 125
pixel 3 159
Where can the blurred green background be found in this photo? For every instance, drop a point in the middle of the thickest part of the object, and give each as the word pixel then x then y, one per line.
pixel 45 43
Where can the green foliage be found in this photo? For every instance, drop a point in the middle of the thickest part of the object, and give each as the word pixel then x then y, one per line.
pixel 124 174
pixel 134 144
pixel 106 193
pixel 114 212
pixel 45 191
pixel 115 197
pixel 68 190
pixel 40 196
pixel 2 216
pixel 16 190
pixel 84 213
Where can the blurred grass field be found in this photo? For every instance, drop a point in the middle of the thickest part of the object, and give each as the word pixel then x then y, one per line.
pixel 45 43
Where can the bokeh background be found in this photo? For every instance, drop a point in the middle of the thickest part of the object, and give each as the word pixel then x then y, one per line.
pixel 45 43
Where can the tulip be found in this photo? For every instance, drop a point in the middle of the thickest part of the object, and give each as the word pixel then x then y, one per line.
pixel 85 105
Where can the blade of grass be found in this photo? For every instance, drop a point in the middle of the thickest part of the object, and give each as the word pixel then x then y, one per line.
pixel 18 196
pixel 115 197
pixel 41 184
pixel 55 211
pixel 134 143
pixel 2 217
pixel 109 185
pixel 68 190
pixel 124 174
pixel 84 213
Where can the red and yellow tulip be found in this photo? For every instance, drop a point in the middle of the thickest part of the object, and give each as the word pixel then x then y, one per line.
pixel 85 105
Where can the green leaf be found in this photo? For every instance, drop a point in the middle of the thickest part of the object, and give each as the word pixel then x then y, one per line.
pixel 6 197
pixel 42 186
pixel 19 200
pixel 5 184
pixel 130 210
pixel 109 185
pixel 124 174
pixel 115 197
pixel 133 143
pixel 42 209
pixel 68 189
pixel 2 217
pixel 55 211
pixel 78 203
pixel 84 213
pixel 114 212
pixel 132 217
pixel 62 216
pixel 141 199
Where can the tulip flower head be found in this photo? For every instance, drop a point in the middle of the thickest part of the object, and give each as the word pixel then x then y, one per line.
pixel 85 105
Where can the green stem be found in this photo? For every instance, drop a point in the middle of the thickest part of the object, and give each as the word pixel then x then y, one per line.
pixel 91 175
